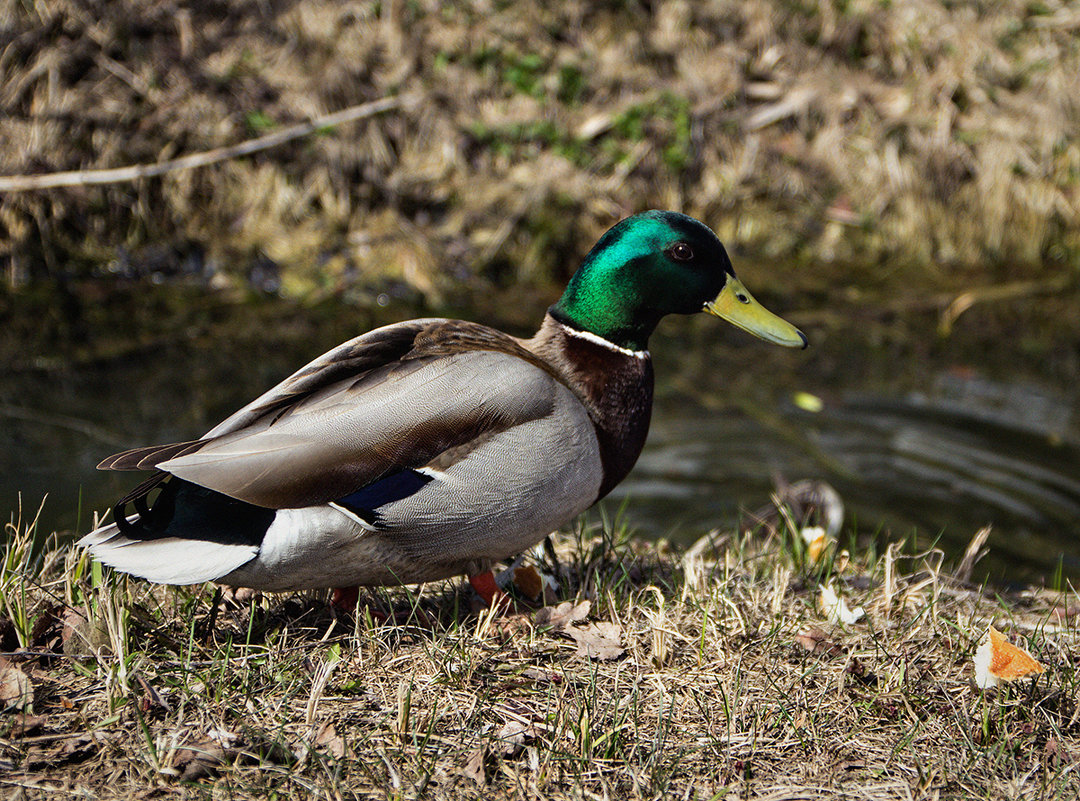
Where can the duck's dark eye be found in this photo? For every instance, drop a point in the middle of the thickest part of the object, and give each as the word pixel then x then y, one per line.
pixel 681 251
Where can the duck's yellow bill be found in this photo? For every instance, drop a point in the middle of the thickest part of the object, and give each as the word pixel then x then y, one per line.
pixel 739 308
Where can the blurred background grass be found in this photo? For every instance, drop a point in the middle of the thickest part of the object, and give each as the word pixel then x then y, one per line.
pixel 905 143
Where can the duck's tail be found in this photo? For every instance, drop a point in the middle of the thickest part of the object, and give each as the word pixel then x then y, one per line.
pixel 165 541
pixel 169 560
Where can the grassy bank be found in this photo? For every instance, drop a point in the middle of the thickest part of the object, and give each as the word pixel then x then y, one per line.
pixel 706 674
pixel 895 136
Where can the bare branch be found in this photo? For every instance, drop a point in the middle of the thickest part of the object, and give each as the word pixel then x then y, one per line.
pixel 23 183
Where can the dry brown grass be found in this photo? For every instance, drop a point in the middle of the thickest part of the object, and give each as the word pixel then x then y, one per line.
pixel 726 681
pixel 911 134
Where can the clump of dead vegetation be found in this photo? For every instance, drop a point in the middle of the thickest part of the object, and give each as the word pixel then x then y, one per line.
pixel 721 671
pixel 912 133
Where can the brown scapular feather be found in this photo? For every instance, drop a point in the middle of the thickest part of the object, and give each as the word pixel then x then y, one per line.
pixel 150 456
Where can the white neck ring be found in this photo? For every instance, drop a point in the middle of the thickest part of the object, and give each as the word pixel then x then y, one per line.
pixel 604 343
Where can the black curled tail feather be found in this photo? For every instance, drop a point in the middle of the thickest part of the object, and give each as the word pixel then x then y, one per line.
pixel 185 510
pixel 152 518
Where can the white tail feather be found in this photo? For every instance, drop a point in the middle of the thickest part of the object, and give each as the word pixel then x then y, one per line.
pixel 169 560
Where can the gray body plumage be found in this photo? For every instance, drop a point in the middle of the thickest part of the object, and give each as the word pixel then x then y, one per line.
pixel 489 505
pixel 507 450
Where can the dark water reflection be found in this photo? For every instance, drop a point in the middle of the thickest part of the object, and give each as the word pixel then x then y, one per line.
pixel 930 448
pixel 941 463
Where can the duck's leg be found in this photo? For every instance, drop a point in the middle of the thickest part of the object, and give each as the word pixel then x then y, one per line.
pixel 487 588
pixel 493 588
pixel 344 599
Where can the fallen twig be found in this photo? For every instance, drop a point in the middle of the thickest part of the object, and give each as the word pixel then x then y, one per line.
pixel 24 183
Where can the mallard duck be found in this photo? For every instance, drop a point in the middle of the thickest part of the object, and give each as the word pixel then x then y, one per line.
pixel 434 447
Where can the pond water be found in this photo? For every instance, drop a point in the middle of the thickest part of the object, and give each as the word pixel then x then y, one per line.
pixel 934 441
pixel 942 463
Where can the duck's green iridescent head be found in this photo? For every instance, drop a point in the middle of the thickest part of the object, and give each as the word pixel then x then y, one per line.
pixel 658 263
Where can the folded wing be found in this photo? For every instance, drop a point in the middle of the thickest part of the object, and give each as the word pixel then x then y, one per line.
pixel 390 400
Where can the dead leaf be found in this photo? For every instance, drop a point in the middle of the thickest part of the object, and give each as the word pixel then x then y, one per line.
pixel 328 738
pixel 860 672
pixel 255 746
pixel 528 582
pixel 200 759
pixel 16 692
pixel 602 641
pixel 1052 751
pixel 46 631
pixel 81 745
pixel 512 625
pixel 70 749
pixel 540 675
pixel 997 659
pixel 219 747
pixel 151 698
pixel 513 736
pixel 75 633
pixel 474 766
pixel 816 641
pixel 23 725
pixel 561 616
